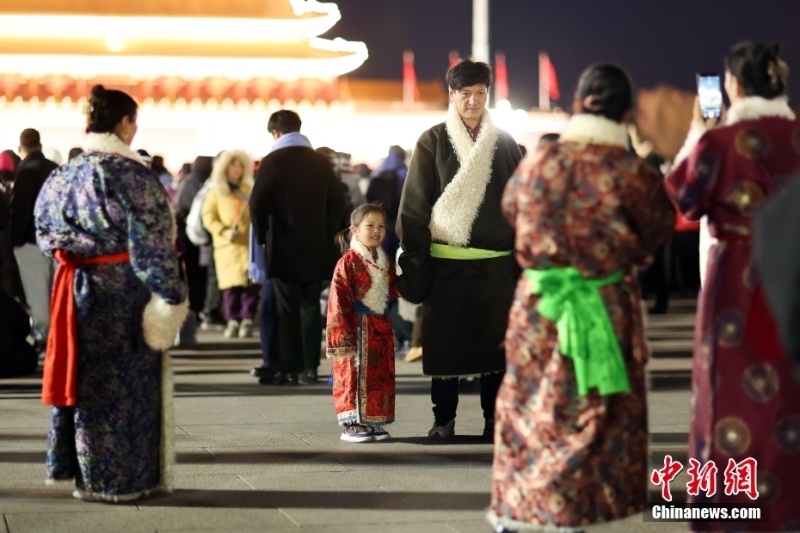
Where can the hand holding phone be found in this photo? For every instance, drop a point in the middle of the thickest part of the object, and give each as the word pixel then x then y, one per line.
pixel 709 92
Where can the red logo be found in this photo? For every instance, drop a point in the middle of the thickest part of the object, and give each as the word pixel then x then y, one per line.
pixel 738 477
pixel 741 477
pixel 704 479
pixel 665 475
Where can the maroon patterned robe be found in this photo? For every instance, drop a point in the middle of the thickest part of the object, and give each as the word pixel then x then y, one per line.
pixel 562 459
pixel 744 404
pixel 360 339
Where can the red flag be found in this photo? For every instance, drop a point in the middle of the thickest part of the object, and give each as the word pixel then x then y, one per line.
pixel 410 89
pixel 548 81
pixel 500 78
pixel 453 58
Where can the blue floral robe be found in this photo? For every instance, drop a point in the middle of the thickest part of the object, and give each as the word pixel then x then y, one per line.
pixel 100 204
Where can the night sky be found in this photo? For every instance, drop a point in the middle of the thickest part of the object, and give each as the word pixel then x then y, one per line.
pixel 657 41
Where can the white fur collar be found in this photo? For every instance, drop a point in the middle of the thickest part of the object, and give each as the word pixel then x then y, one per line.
pixel 455 211
pixel 594 129
pixel 219 174
pixel 755 107
pixel 377 296
pixel 108 143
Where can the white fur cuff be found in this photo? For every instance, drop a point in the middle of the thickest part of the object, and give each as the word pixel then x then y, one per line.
pixel 161 322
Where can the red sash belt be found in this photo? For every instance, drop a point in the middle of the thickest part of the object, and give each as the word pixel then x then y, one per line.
pixel 60 384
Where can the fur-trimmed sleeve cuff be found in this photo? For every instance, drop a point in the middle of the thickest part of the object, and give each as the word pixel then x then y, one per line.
pixel 161 322
pixel 691 142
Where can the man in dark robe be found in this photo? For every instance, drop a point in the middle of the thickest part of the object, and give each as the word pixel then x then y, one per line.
pixel 457 246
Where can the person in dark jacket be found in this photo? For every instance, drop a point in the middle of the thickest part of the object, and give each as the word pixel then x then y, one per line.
pixel 385 188
pixel 17 357
pixel 9 272
pixel 35 269
pixel 187 190
pixel 297 207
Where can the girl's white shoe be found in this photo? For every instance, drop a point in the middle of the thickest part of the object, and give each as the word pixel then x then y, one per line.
pixel 356 433
pixel 379 433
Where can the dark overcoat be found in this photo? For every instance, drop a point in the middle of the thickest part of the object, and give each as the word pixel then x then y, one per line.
pixel 297 207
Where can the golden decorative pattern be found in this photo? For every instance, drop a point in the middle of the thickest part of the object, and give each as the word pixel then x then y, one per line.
pixel 787 434
pixel 746 196
pixel 749 277
pixel 600 250
pixel 705 353
pixel 760 382
pixel 605 183
pixel 768 485
pixel 550 169
pixel 752 143
pixel 732 436
pixel 730 327
pixel 706 169
pixel 556 503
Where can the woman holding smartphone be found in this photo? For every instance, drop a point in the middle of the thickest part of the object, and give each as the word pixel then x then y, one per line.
pixel 745 404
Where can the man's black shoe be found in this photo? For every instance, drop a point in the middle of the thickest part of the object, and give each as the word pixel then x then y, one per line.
pixel 488 429
pixel 267 376
pixel 263 372
pixel 289 379
pixel 308 377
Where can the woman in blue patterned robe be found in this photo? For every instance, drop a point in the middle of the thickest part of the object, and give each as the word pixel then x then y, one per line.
pixel 115 441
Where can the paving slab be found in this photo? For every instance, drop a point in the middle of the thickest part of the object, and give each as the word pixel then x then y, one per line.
pixel 129 521
pixel 269 459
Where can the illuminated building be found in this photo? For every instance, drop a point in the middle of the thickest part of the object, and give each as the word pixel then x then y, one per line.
pixel 207 75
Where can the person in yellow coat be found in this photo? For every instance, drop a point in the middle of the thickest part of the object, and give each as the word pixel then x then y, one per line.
pixel 226 216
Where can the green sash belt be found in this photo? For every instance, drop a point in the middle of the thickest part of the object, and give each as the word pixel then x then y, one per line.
pixel 585 332
pixel 445 251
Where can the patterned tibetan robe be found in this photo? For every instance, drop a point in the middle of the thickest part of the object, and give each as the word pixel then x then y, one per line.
pixel 359 337
pixel 745 402
pixel 561 459
pixel 102 203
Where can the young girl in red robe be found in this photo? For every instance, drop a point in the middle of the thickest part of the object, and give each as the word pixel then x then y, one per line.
pixel 359 331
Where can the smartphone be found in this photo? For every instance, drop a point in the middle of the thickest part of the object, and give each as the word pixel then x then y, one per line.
pixel 709 89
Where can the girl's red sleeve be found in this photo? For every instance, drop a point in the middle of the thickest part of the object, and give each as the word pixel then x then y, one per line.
pixel 342 328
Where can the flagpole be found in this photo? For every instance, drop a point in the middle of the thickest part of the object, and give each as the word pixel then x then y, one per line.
pixel 480 30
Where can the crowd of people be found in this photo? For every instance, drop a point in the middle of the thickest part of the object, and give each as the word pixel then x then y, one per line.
pixel 524 272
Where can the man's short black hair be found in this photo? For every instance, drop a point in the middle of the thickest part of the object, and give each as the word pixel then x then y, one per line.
pixel 30 140
pixel 467 73
pixel 284 121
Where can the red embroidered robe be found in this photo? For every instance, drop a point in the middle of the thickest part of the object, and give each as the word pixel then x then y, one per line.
pixel 745 402
pixel 360 339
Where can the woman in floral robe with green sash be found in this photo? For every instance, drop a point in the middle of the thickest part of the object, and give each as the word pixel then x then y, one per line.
pixel 571 433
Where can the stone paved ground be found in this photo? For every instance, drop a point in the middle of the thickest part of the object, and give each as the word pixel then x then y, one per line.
pixel 252 458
